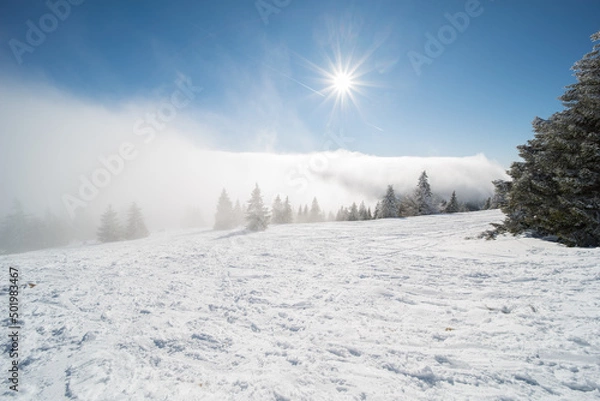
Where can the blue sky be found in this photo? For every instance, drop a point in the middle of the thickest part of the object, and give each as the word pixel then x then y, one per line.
pixel 478 96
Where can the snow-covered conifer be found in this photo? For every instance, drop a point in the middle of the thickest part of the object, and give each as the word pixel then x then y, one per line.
pixel 136 228
pixel 257 215
pixel 362 212
pixel 452 206
pixel 277 211
pixel 110 230
pixel 224 218
pixel 353 214
pixel 555 190
pixel 288 214
pixel 423 196
pixel 315 212
pixel 389 204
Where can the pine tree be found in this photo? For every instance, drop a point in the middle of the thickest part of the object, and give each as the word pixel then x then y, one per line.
pixel 555 190
pixel 110 229
pixel 257 215
pixel 315 212
pixel 353 215
pixel 224 218
pixel 423 196
pixel 342 214
pixel 452 206
pixel 288 214
pixel 501 190
pixel 488 204
pixel 377 214
pixel 362 212
pixel 136 227
pixel 277 211
pixel 389 204
pixel 369 214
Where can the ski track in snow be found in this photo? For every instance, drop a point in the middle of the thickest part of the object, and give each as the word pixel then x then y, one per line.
pixel 415 309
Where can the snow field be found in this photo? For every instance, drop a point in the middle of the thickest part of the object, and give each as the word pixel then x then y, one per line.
pixel 415 308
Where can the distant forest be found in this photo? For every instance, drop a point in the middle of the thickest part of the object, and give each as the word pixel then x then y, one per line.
pixel 22 232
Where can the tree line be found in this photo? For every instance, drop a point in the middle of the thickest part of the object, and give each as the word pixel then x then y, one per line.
pixel 23 232
pixel 421 202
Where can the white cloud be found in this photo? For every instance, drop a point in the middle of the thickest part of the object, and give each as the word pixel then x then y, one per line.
pixel 49 140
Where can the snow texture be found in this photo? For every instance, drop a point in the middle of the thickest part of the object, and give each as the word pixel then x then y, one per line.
pixel 415 309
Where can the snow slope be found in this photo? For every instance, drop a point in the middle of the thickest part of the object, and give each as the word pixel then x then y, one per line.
pixel 415 309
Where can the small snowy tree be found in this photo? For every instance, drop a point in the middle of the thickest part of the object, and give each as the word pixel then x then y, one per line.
pixel 423 196
pixel 353 215
pixel 110 229
pixel 277 211
pixel 136 228
pixel 288 213
pixel 377 213
pixel 452 206
pixel 389 204
pixel 224 218
pixel 342 214
pixel 257 215
pixel 315 212
pixel 362 212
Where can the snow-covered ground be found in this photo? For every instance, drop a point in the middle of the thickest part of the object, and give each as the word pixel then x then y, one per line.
pixel 406 309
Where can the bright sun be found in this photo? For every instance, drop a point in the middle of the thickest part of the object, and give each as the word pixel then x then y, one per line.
pixel 342 83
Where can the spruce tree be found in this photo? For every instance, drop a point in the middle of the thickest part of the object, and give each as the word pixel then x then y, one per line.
pixel 277 211
pixel 555 190
pixel 257 215
pixel 423 196
pixel 110 229
pixel 362 212
pixel 389 204
pixel 353 215
pixel 136 227
pixel 315 212
pixel 288 214
pixel 224 218
pixel 377 214
pixel 342 214
pixel 452 206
